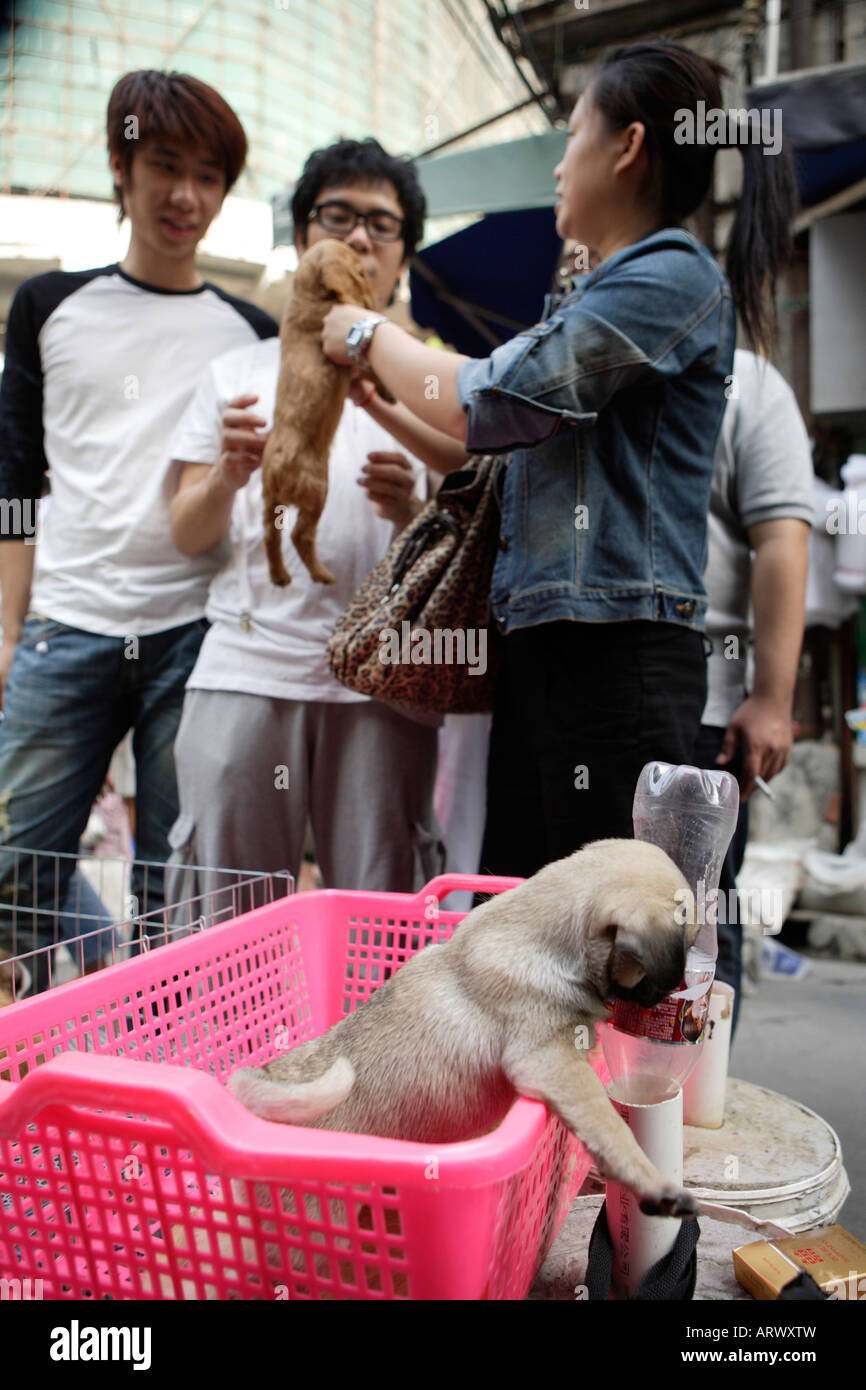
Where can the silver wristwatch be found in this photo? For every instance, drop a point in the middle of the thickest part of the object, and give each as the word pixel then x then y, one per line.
pixel 359 335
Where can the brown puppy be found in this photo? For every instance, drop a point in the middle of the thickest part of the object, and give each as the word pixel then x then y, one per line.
pixel 311 393
pixel 507 1007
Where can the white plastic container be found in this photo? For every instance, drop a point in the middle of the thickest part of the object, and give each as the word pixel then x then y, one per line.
pixel 850 572
pixel 704 1092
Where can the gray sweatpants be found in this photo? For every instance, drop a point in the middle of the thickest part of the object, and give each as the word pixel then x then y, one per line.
pixel 252 769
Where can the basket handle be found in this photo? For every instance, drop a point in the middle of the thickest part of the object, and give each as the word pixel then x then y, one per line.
pixel 74 1078
pixel 444 884
pixel 229 1140
pixel 195 1104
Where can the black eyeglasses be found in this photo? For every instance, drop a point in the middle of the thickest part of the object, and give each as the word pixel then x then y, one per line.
pixel 341 219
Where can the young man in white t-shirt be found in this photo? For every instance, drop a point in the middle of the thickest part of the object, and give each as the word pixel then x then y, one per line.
pixel 268 736
pixel 100 365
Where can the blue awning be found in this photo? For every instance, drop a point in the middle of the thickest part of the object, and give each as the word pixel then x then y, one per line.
pixel 824 123
pixel 482 285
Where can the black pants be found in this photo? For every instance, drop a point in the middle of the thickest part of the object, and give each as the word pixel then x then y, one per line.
pixel 580 708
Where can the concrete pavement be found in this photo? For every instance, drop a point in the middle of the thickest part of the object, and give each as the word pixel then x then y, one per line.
pixel 807 1039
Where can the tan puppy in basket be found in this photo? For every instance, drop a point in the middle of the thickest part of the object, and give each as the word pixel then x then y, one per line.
pixel 311 392
pixel 507 1007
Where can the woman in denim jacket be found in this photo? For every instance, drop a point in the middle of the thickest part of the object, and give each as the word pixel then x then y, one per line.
pixel 610 408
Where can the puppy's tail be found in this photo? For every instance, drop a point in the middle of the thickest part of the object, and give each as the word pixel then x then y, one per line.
pixel 295 1104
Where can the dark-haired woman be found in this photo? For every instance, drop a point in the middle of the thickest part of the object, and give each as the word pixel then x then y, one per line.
pixel 610 407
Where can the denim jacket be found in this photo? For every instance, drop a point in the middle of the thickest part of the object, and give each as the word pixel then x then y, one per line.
pixel 612 405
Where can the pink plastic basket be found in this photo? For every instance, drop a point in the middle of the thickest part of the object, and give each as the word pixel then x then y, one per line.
pixel 127 1170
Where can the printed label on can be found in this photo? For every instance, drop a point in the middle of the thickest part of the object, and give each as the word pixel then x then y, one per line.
pixel 680 1018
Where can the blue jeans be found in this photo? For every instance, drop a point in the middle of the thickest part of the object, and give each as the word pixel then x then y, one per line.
pixel 84 916
pixel 70 698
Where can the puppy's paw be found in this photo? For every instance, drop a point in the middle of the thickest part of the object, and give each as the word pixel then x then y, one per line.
pixel 279 575
pixel 671 1201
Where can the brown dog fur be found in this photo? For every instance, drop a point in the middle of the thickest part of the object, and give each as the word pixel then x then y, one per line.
pixel 507 1007
pixel 311 392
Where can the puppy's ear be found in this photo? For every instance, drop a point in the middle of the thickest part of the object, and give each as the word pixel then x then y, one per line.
pixel 615 956
pixel 626 970
pixel 343 277
pixel 646 960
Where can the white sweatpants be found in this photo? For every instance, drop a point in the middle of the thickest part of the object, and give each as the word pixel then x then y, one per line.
pixel 251 770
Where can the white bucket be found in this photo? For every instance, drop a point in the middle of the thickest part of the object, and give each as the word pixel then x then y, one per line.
pixel 772 1157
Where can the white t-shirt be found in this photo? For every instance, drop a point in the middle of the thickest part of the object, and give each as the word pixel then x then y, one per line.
pixel 279 651
pixel 763 472
pixel 99 369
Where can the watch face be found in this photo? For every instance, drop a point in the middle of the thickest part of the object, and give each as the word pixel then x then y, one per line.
pixel 356 339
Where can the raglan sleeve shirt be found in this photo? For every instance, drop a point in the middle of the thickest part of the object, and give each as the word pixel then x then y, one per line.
pixel 23 464
pixel 651 309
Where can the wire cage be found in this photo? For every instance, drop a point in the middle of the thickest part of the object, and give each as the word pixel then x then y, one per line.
pixel 66 915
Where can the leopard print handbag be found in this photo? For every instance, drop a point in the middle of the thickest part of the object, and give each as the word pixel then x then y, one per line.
pixel 418 633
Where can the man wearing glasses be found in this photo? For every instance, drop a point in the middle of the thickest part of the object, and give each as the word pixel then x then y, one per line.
pixel 268 738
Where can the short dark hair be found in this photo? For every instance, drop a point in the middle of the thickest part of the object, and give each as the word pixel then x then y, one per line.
pixel 360 161
pixel 179 107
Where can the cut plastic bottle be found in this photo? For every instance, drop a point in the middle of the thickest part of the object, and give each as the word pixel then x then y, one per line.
pixel 691 814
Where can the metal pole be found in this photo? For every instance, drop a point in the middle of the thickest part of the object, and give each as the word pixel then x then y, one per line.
pixel 774 20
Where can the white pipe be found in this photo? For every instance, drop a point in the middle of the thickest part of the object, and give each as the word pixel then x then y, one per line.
pixel 774 24
pixel 639 1241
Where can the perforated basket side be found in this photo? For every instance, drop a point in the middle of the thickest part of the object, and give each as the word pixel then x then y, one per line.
pixel 126 1184
pixel 220 999
pixel 377 945
pixel 532 1206
pixel 110 1205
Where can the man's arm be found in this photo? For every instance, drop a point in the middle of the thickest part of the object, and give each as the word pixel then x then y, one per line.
pixel 763 721
pixel 201 508
pixel 16 577
pixel 23 464
pixel 388 479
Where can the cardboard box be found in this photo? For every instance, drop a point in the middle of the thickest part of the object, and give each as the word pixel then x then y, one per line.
pixel 834 1258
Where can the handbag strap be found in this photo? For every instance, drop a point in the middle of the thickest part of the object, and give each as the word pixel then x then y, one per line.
pixel 429 529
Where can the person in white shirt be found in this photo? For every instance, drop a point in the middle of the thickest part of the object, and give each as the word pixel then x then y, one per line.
pixel 761 509
pixel 100 365
pixel 269 738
